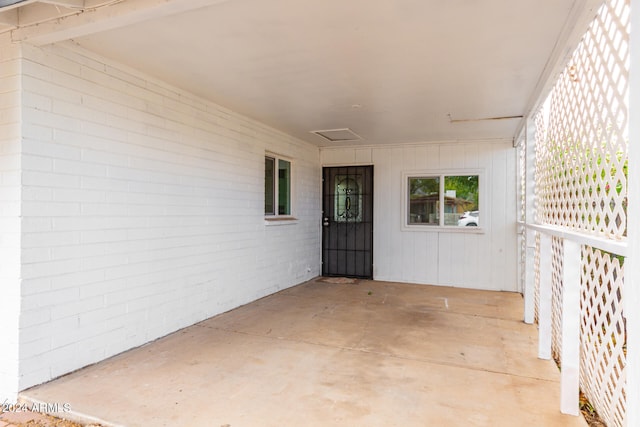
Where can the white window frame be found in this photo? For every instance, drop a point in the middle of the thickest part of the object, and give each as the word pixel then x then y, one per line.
pixel 441 174
pixel 275 217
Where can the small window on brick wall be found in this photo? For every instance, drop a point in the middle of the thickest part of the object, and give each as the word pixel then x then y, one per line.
pixel 277 186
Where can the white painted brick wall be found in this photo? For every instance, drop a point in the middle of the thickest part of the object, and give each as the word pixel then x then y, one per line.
pixel 478 261
pixel 143 211
pixel 9 217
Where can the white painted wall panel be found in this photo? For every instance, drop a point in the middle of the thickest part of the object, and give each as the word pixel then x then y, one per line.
pixel 482 261
pixel 143 211
pixel 9 216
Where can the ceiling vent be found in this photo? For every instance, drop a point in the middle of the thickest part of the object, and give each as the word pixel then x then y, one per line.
pixel 338 135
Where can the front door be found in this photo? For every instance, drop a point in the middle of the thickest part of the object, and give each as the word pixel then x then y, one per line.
pixel 347 228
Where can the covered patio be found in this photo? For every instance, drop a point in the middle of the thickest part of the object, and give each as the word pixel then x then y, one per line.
pixel 331 352
pixel 177 176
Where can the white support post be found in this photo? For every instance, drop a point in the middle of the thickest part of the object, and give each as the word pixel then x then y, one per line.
pixel 570 358
pixel 530 277
pixel 632 261
pixel 530 210
pixel 544 309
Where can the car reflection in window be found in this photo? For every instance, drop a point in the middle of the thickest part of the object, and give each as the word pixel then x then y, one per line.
pixel 469 219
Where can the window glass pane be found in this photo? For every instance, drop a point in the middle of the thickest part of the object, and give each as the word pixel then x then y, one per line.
pixel 269 166
pixel 461 200
pixel 424 200
pixel 284 187
pixel 348 198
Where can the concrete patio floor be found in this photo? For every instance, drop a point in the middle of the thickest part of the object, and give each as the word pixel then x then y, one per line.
pixel 331 354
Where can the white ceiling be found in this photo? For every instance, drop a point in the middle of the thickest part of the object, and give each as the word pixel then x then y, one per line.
pixel 392 71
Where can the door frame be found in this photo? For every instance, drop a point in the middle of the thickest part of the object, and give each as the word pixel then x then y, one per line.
pixel 322 236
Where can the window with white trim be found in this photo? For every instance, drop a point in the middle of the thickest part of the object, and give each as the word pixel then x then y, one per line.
pixel 277 186
pixel 442 200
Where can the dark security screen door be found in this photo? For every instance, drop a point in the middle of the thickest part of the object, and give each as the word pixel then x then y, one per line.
pixel 347 228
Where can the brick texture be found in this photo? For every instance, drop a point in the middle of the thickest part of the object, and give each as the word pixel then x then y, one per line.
pixel 143 211
pixel 9 216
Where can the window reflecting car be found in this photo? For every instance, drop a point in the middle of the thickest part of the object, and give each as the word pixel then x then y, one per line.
pixel 469 219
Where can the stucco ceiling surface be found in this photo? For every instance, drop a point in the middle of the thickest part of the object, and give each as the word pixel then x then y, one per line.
pixel 392 71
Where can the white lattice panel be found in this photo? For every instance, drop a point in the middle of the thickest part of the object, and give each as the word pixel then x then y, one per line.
pixel 539 182
pixel 581 185
pixel 536 292
pixel 603 335
pixel 582 182
pixel 557 251
pixel 522 169
pixel 540 153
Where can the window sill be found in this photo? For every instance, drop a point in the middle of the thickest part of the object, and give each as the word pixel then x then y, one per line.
pixel 280 220
pixel 445 229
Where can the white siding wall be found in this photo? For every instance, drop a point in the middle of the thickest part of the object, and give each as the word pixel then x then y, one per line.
pixel 143 211
pixel 481 261
pixel 9 216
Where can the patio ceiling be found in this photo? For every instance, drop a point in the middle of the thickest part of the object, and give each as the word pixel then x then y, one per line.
pixel 392 71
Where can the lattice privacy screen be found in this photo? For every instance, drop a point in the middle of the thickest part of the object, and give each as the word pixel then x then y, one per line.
pixel 582 155
pixel 536 291
pixel 581 185
pixel 603 338
pixel 557 249
pixel 522 206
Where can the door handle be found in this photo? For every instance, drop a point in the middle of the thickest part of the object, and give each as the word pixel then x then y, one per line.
pixel 325 222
